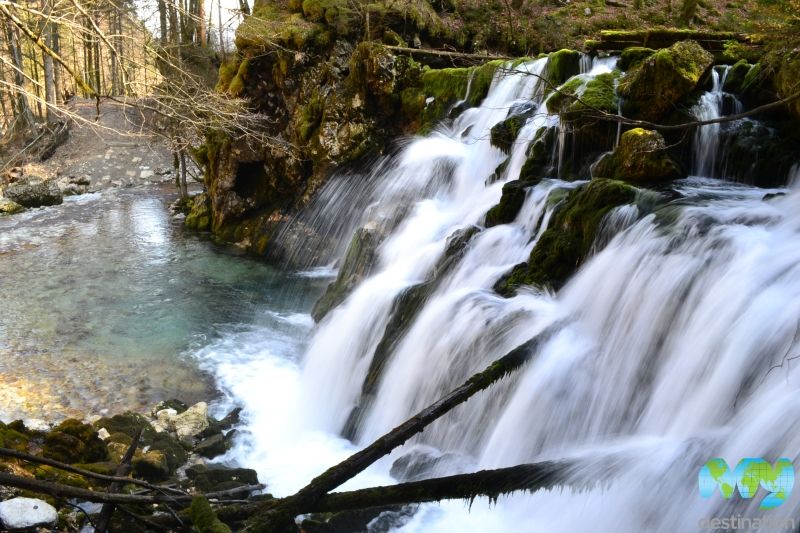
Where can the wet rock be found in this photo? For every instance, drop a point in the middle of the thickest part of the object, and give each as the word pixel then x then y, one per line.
pixel 24 513
pixel 191 422
pixel 34 192
pixel 174 404
pixel 358 262
pixel 658 83
pixel 568 240
pixel 510 203
pixel 210 478
pixel 212 446
pixel 9 207
pixel 151 466
pixel 640 157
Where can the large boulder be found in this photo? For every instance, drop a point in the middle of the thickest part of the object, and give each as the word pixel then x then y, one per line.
pixel 26 513
pixel 658 83
pixel 640 157
pixel 34 192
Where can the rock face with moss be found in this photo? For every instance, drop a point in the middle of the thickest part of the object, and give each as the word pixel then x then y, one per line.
pixel 653 87
pixel 331 98
pixel 641 157
pixel 566 243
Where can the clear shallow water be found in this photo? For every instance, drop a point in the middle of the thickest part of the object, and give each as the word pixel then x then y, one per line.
pixel 105 298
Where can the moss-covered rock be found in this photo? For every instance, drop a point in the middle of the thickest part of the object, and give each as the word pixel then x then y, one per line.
pixel 539 163
pixel 562 65
pixel 736 76
pixel 514 194
pixel 504 133
pixel 199 217
pixel 442 88
pixel 74 442
pixel 124 427
pixel 662 80
pixel 204 519
pixel 566 243
pixel 633 55
pixel 584 95
pixel 358 261
pixel 641 157
pixel 9 207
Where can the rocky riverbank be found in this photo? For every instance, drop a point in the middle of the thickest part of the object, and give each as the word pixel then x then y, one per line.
pixel 176 443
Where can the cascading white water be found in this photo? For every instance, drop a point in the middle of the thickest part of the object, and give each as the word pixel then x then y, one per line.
pixel 666 355
pixel 706 160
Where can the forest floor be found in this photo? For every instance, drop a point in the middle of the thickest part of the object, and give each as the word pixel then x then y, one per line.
pixel 112 149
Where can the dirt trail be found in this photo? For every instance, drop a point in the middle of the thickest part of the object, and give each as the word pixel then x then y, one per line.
pixel 111 151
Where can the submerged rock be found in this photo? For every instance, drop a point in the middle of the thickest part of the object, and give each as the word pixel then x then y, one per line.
pixel 640 157
pixel 24 513
pixel 34 192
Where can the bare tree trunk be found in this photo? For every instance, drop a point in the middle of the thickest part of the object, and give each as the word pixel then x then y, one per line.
pixel 201 23
pixel 174 24
pixel 24 116
pixel 182 177
pixel 221 32
pixel 48 67
pixel 244 7
pixel 162 19
pixel 58 73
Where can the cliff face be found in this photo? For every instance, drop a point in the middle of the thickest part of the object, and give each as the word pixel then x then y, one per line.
pixel 330 99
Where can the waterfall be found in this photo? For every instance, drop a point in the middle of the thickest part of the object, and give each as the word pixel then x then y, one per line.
pixel 674 344
pixel 706 160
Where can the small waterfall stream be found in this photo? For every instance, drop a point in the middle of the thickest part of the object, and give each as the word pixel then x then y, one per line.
pixel 674 345
pixel 707 161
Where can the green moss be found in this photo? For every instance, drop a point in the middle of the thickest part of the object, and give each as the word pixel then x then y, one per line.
pixel 204 519
pixel 640 157
pixel 357 263
pixel 200 214
pixel 562 65
pixel 14 437
pixel 736 76
pixel 504 133
pixel 237 84
pixel 449 85
pixel 510 203
pixel 314 10
pixel 567 242
pixel 633 56
pixel 584 95
pixel 227 71
pixel 74 442
pixel 269 28
pixel 310 117
pixel 657 84
pixel 538 164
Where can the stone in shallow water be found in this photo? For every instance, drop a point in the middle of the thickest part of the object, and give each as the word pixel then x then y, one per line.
pixel 21 513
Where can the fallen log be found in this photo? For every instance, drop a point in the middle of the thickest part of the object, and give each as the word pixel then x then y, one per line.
pixel 437 56
pixel 66 491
